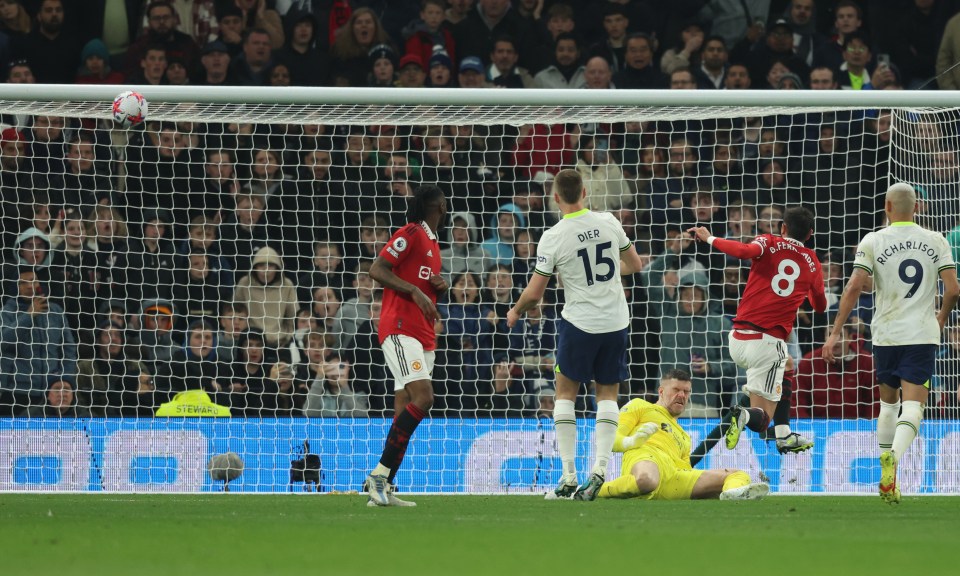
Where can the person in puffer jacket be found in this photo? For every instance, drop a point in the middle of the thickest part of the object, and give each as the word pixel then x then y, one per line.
pixel 464 253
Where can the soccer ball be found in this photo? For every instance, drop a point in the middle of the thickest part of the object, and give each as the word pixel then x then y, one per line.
pixel 129 109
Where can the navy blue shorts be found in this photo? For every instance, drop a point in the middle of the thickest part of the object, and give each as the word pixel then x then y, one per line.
pixel 913 362
pixel 583 357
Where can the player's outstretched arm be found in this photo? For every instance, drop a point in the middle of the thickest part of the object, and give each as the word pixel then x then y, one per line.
pixel 728 247
pixel 382 272
pixel 951 293
pixel 858 281
pixel 528 298
pixel 630 261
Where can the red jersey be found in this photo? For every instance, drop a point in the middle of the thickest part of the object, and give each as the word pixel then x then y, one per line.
pixel 415 255
pixel 784 272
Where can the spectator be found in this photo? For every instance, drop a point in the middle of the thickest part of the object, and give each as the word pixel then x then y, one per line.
pixel 492 19
pixel 233 324
pixel 463 327
pixel 330 15
pixel 157 321
pixel 83 182
pixel 412 74
pixel 686 52
pixel 14 19
pixel 255 14
pixel 194 366
pixel 712 72
pixel 471 73
pixel 176 73
pixel 370 367
pixel 161 34
pixel 441 70
pixel 741 223
pixel 308 64
pixel 776 46
pixel 790 81
pixel 738 77
pixel 566 70
pixel 557 20
pixel 682 79
pixel 111 383
pixel 464 254
pixel 37 346
pixel 250 67
pixel 374 233
pixel 52 51
pixel 502 395
pixel 270 297
pixel 356 310
pixel 597 74
pixel 249 389
pixel 60 403
pixel 948 78
pixel 848 20
pixel 95 65
pixel 202 237
pixel 503 70
pixel 108 234
pixel 20 72
pixel 807 42
pixel 325 270
pixel 152 259
pixel 844 389
pixel 198 290
pixel 613 47
pixel 215 69
pixel 532 345
pixel 230 19
pixel 497 296
pixel 607 190
pixel 505 224
pixel 383 65
pixel 74 276
pixel 640 71
pixel 423 36
pixel 735 20
pixel 327 378
pixel 822 78
pixel 683 171
pixel 458 10
pixel 153 67
pixel 354 41
pixel 268 180
pixel 856 55
pixel 246 230
pixel 545 148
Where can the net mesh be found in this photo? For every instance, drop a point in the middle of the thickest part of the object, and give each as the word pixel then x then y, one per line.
pixel 225 248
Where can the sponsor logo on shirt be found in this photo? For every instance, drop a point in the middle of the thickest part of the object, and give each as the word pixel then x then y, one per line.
pixel 400 244
pixel 424 273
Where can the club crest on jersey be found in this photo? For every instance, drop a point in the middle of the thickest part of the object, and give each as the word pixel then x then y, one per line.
pixel 416 365
pixel 400 244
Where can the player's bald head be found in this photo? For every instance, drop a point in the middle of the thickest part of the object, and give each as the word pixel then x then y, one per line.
pixel 901 199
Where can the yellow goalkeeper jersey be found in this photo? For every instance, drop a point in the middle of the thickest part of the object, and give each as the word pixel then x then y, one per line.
pixel 670 441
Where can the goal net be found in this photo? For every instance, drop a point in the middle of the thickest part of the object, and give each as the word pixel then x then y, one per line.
pixel 191 296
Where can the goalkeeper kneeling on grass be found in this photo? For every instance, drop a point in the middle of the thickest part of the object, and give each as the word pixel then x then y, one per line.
pixel 656 453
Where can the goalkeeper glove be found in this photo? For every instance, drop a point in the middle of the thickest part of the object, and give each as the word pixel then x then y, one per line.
pixel 640 436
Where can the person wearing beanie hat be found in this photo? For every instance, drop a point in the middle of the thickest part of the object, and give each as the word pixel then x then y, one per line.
pixel 95 65
pixel 440 69
pixel 790 81
pixel 383 66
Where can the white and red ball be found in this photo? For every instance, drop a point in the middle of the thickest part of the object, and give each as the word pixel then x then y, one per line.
pixel 129 109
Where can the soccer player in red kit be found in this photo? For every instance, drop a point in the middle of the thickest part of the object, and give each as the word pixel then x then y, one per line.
pixel 408 268
pixel 784 273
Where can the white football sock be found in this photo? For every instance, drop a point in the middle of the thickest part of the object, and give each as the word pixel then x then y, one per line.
pixel 608 416
pixel 565 427
pixel 380 470
pixel 781 430
pixel 887 424
pixel 908 426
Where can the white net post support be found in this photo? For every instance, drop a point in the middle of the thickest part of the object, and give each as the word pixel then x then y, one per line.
pixel 223 247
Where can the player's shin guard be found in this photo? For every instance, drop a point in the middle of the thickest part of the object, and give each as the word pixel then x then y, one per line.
pixel 565 428
pixel 781 415
pixel 399 438
pixel 908 426
pixel 887 424
pixel 608 415
pixel 736 480
pixel 623 487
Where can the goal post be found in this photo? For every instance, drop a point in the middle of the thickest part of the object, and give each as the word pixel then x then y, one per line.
pixel 221 249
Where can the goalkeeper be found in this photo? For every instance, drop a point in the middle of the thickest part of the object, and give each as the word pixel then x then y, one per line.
pixel 656 459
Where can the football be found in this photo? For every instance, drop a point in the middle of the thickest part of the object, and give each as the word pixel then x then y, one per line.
pixel 129 109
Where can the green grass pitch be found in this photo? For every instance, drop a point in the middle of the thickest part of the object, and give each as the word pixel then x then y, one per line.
pixel 451 535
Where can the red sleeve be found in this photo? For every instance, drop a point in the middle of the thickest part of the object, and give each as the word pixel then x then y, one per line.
pixel 399 245
pixel 738 249
pixel 817 295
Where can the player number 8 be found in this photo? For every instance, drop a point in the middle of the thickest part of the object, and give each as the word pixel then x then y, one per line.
pixel 788 272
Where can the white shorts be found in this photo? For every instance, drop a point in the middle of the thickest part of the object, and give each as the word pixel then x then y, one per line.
pixel 764 357
pixel 407 360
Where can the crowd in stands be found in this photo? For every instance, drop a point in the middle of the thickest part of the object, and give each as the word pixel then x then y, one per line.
pixel 234 258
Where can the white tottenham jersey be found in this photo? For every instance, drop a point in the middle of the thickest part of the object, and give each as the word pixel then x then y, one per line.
pixel 905 261
pixel 584 249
